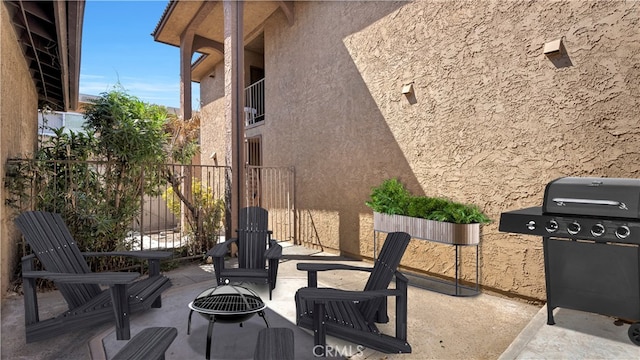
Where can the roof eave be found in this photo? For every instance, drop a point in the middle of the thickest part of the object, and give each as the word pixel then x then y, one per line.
pixel 74 25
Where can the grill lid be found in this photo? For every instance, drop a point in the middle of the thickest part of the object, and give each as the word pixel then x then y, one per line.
pixel 591 196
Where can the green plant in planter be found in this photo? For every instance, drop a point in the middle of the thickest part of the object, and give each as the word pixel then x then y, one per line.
pixel 392 198
pixel 423 206
pixel 459 214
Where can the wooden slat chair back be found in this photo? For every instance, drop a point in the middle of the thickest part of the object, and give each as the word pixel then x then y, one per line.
pixel 383 272
pixel 49 238
pixel 89 304
pixel 258 254
pixel 352 315
pixel 253 237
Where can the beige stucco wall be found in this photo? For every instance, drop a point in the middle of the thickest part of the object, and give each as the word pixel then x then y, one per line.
pixel 492 120
pixel 18 131
pixel 214 134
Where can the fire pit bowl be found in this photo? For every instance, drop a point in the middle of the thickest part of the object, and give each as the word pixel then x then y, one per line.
pixel 226 304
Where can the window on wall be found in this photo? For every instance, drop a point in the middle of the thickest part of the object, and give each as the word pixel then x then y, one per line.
pixel 48 121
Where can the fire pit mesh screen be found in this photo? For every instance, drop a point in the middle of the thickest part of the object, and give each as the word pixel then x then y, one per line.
pixel 228 300
pixel 232 303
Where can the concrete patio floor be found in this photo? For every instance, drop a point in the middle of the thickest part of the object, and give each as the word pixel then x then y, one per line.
pixel 439 326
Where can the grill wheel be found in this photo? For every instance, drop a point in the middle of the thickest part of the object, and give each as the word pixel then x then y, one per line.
pixel 634 333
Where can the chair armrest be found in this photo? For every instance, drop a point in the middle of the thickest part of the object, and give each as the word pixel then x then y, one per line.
pixel 146 254
pixel 319 266
pixel 103 278
pixel 400 277
pixel 220 250
pixel 152 256
pixel 323 295
pixel 274 252
pixel 28 257
pixel 313 268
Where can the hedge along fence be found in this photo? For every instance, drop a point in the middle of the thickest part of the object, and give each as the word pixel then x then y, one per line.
pixel 106 210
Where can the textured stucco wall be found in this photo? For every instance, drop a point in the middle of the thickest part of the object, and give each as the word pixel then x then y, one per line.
pixel 214 134
pixel 18 130
pixel 492 120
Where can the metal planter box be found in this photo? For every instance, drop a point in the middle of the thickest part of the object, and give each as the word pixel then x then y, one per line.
pixel 439 231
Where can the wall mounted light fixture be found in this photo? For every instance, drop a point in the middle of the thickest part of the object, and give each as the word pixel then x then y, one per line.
pixel 214 157
pixel 407 89
pixel 553 47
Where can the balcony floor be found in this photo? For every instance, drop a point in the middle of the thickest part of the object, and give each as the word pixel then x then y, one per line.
pixel 439 326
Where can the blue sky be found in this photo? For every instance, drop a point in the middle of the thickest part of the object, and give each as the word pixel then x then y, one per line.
pixel 117 47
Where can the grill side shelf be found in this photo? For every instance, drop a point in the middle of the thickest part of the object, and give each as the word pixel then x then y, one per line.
pixel 519 221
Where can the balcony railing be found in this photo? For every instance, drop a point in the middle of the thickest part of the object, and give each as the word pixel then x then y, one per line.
pixel 254 103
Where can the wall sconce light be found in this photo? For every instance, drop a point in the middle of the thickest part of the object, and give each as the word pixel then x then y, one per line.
pixel 553 47
pixel 407 89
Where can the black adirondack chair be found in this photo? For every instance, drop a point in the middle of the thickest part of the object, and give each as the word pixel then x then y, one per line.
pixel 256 248
pixel 352 315
pixel 89 304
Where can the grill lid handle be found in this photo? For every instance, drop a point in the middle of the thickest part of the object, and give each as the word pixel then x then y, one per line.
pixel 565 201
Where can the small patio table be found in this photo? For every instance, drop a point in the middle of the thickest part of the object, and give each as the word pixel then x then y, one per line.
pixel 226 304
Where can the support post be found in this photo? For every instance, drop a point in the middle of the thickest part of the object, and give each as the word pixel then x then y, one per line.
pixel 234 98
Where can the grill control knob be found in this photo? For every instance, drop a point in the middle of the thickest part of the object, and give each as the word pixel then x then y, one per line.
pixel 622 232
pixel 573 228
pixel 597 230
pixel 531 225
pixel 551 226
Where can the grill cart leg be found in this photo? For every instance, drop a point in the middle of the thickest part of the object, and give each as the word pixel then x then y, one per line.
pixel 550 319
pixel 547 278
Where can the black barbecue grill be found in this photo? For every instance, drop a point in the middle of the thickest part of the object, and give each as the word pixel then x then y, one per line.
pixel 590 229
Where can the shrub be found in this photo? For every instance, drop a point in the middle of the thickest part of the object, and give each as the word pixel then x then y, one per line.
pixel 208 217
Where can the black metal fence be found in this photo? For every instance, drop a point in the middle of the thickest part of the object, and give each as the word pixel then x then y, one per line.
pixel 159 206
pixel 273 188
pixel 183 208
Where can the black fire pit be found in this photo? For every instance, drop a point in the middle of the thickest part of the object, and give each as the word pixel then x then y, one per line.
pixel 590 230
pixel 226 304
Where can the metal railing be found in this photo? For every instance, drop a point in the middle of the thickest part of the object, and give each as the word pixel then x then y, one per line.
pixel 273 188
pixel 254 103
pixel 186 216
pixel 193 220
